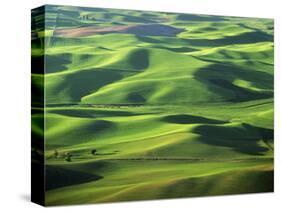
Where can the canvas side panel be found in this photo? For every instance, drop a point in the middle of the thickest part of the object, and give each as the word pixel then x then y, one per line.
pixel 37 106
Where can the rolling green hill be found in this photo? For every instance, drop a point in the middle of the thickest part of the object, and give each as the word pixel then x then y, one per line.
pixel 148 105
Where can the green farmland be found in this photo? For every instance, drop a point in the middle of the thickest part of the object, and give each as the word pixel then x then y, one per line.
pixel 148 105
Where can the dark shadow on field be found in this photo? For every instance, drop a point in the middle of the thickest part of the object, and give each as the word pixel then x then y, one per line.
pixel 139 59
pixel 57 62
pixel 177 49
pixel 219 78
pixel 190 119
pixel 136 98
pixel 153 30
pixel 247 37
pixel 87 81
pixel 244 38
pixel 97 126
pixel 58 176
pixel 271 26
pixel 84 113
pixel 205 29
pixel 244 138
pixel 191 17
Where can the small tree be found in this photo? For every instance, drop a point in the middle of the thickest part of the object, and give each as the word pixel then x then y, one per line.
pixel 94 151
pixel 56 153
pixel 68 157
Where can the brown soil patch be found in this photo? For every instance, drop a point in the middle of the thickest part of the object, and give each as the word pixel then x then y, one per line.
pixel 87 31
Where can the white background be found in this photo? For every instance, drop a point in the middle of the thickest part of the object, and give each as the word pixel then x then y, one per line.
pixel 15 104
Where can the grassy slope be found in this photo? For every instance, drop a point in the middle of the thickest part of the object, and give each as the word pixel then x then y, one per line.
pixel 205 126
pixel 130 180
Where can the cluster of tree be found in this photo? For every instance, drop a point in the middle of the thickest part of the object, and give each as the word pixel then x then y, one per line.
pixel 94 151
pixel 68 156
